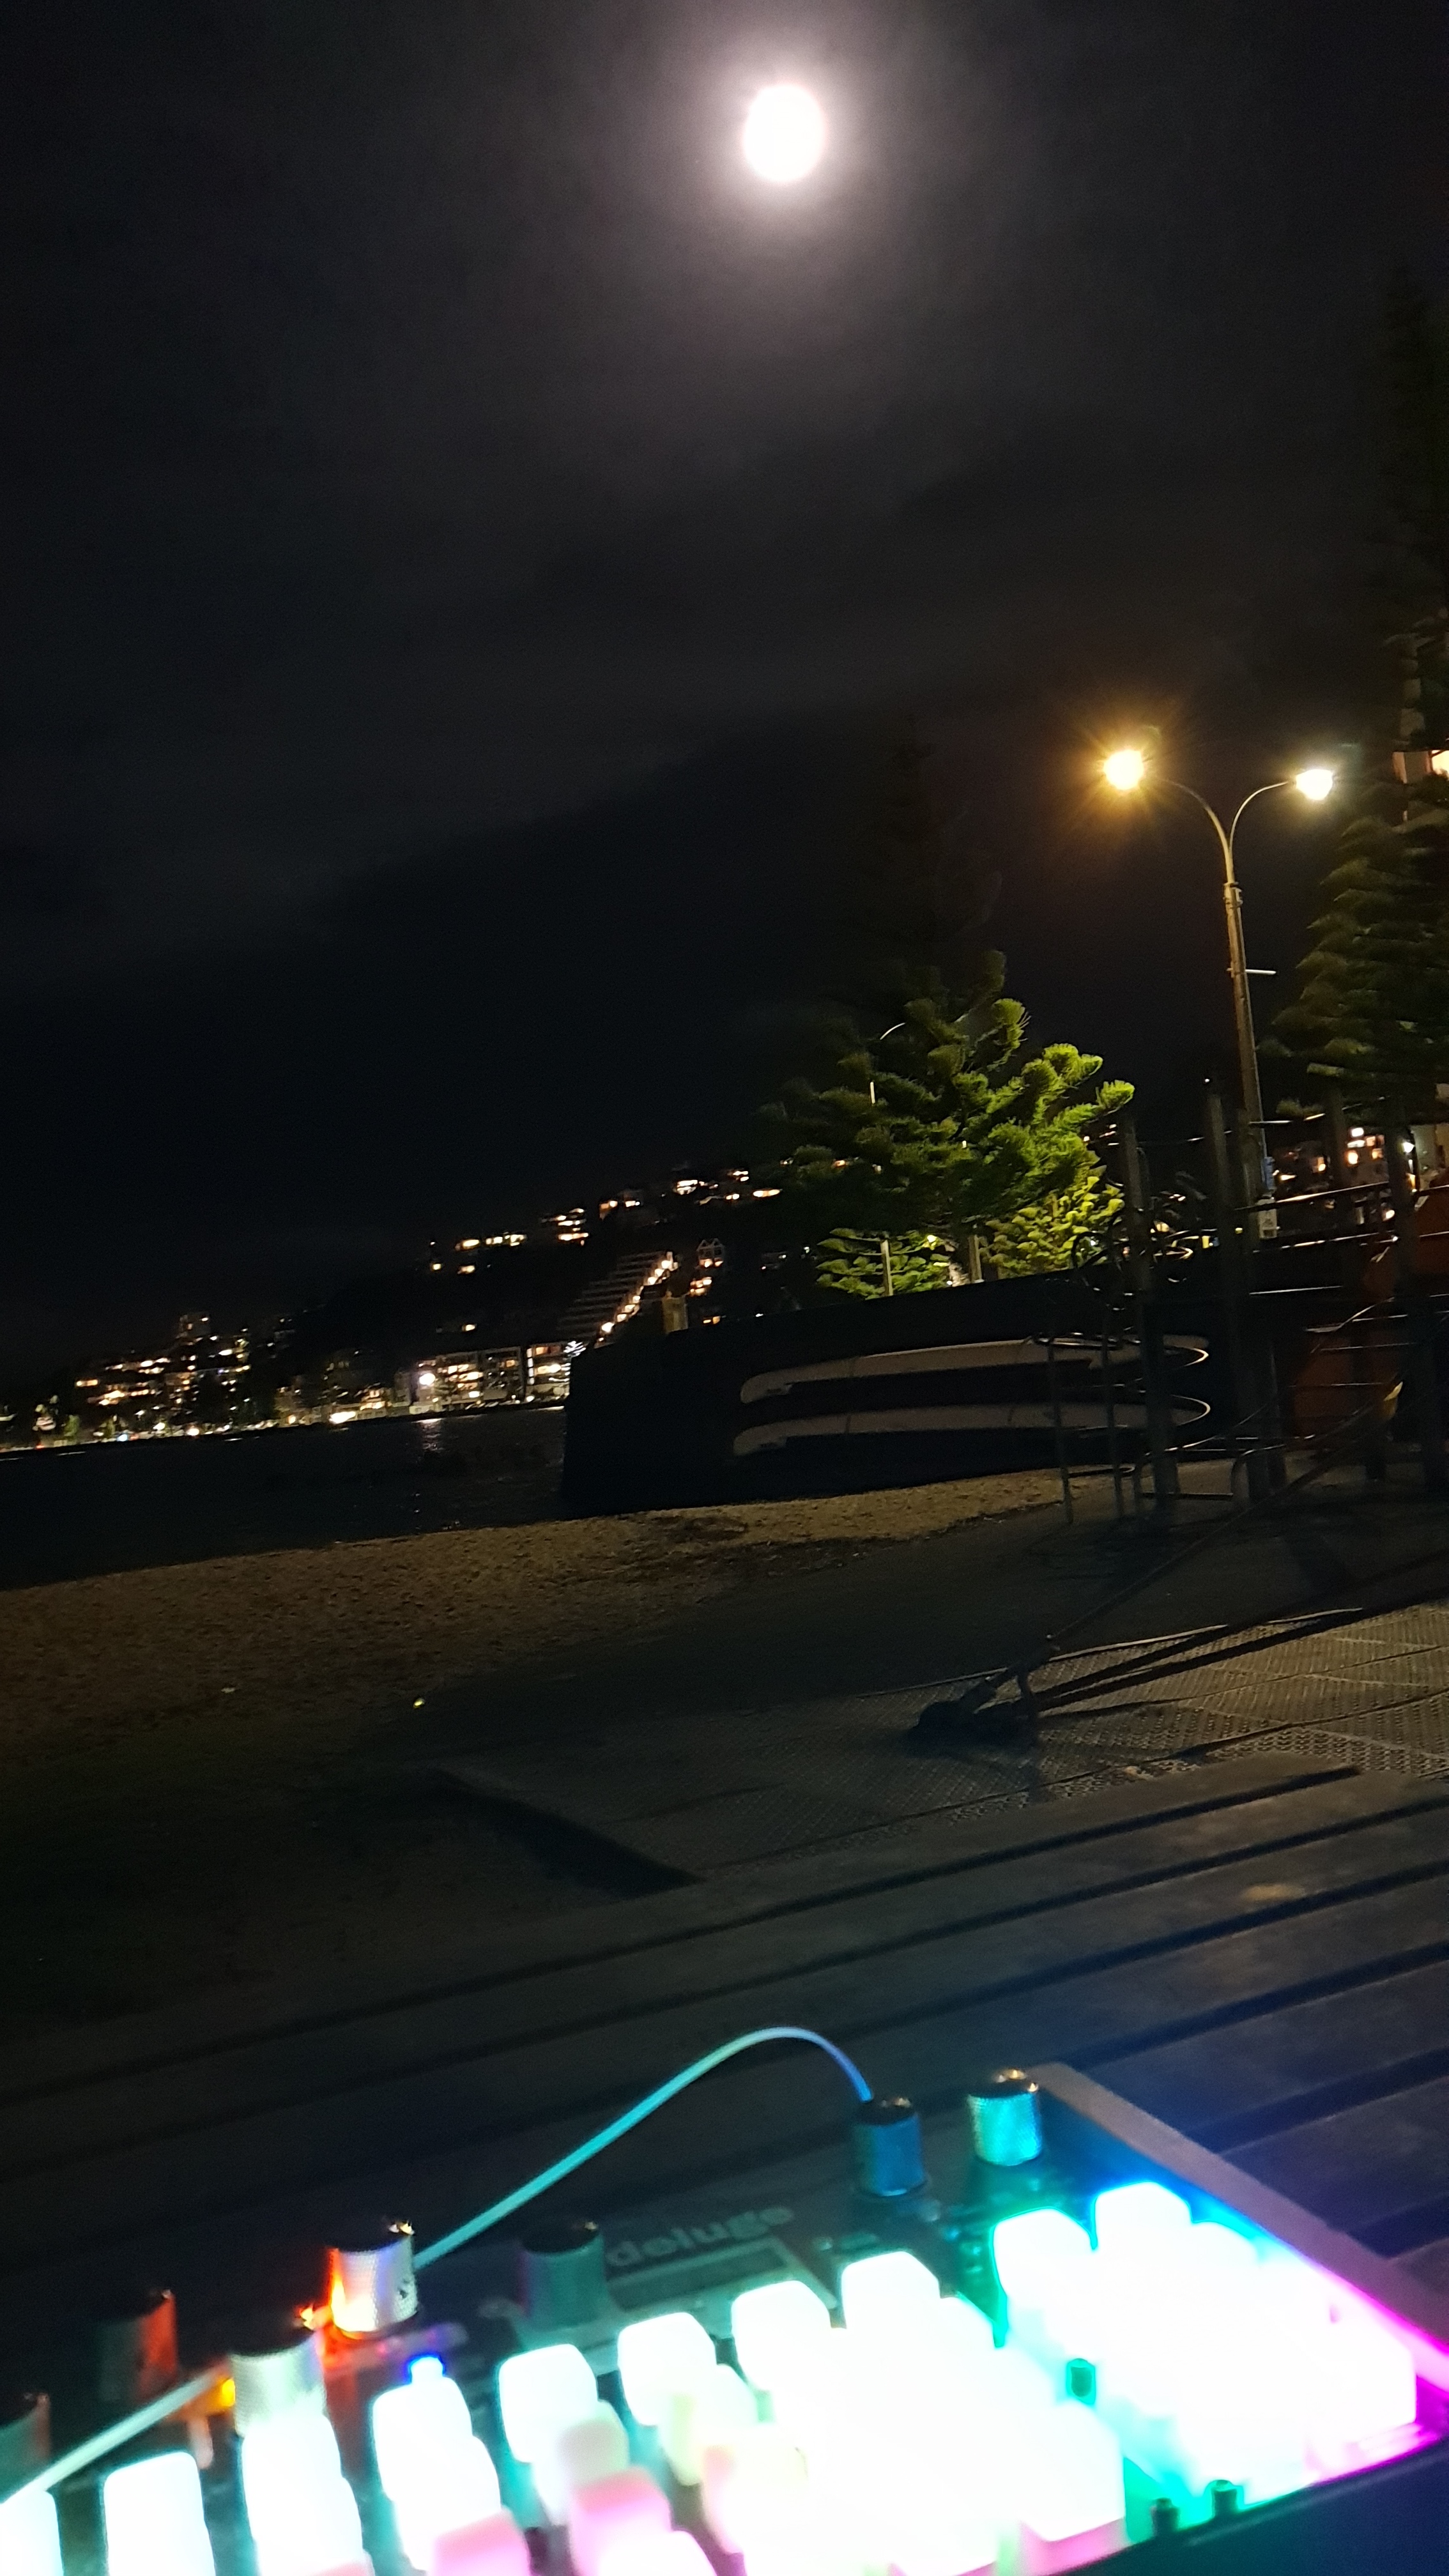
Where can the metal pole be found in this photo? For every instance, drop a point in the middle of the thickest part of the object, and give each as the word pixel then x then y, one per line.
pixel 1265 1217
pixel 1258 1166
pixel 1109 1393
pixel 1150 1352
pixel 1428 1415
pixel 885 1241
pixel 1057 1428
pixel 1359 1336
pixel 1233 1285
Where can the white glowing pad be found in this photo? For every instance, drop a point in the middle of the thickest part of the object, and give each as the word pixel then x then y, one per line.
pixel 30 2536
pixel 889 2295
pixel 594 2446
pixel 301 2511
pixel 154 2518
pixel 660 2358
pixel 697 2420
pixel 775 2328
pixel 539 2393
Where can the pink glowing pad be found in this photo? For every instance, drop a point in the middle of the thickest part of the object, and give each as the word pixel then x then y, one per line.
pixel 613 2511
pixel 1053 2557
pixel 494 2547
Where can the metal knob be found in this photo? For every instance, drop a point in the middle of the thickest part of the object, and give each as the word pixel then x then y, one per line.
pixel 371 2285
pixel 886 2143
pixel 1005 2114
pixel 24 2435
pixel 136 2348
pixel 272 2377
pixel 561 2277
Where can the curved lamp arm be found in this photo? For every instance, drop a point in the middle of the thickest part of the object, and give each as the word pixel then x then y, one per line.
pixel 1271 788
pixel 1227 836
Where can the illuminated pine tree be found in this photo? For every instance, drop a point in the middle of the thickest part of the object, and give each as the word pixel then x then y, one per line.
pixel 1372 1012
pixel 1059 1232
pixel 944 1127
pixel 852 1264
pixel 1372 1009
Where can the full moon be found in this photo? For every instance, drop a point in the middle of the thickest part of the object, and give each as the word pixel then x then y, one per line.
pixel 784 134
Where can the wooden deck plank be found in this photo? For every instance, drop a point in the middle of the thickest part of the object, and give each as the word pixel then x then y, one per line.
pixel 922 2021
pixel 914 1853
pixel 1050 1909
pixel 1312 2058
pixel 1308 2059
pixel 1370 2169
pixel 440 2168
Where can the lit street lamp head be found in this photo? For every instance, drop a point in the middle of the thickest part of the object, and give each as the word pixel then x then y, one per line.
pixel 1315 784
pixel 1124 770
pixel 784 134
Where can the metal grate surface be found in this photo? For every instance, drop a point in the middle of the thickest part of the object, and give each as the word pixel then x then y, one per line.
pixel 702 1794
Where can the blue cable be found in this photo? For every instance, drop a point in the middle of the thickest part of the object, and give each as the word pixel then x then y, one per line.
pixel 188 2391
pixel 626 2121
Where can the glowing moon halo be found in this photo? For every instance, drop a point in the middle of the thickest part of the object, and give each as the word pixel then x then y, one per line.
pixel 784 134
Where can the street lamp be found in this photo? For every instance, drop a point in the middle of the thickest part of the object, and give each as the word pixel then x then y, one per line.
pixel 1127 770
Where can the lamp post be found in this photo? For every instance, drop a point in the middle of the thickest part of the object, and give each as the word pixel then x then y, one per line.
pixel 1127 771
pixel 885 1241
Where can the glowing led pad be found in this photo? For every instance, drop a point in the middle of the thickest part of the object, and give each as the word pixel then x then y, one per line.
pixel 1033 2252
pixel 493 2548
pixel 753 2488
pixel 813 2544
pixel 657 2553
pixel 155 2525
pixel 539 2392
pixel 937 2530
pixel 1141 2222
pixel 889 2295
pixel 1068 2483
pixel 839 2399
pixel 1218 2262
pixel 774 2327
pixel 413 2425
pixel 1363 2384
pixel 301 2511
pixel 594 2447
pixel 282 2458
pixel 612 2514
pixel 710 2418
pixel 962 2341
pixel 1294 2290
pixel 1014 2386
pixel 459 2490
pixel 660 2357
pixel 30 2535
pixel 1220 2432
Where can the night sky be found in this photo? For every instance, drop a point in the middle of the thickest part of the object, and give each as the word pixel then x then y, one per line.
pixel 463 532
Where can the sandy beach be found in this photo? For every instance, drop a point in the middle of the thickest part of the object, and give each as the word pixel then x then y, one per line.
pixel 215 1771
